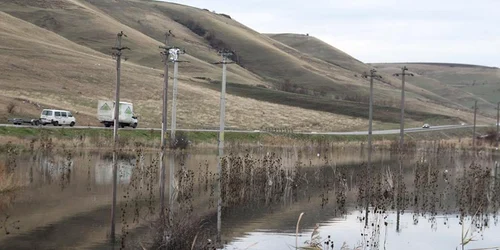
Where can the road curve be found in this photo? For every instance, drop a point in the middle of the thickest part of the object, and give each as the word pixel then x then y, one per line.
pixel 375 132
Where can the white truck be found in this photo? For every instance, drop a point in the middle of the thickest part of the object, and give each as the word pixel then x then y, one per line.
pixel 106 114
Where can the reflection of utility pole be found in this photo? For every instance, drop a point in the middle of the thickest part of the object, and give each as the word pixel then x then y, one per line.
pixel 174 57
pixel 165 54
pixel 370 122
pixel 474 129
pixel 225 56
pixel 118 54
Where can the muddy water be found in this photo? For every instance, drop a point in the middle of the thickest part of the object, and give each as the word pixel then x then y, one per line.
pixel 62 200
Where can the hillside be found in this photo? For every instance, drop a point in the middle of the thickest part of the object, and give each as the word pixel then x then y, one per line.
pixel 56 53
pixel 50 81
pixel 460 83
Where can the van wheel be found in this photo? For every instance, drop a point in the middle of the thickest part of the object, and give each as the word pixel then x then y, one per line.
pixel 134 125
pixel 122 125
pixel 107 125
pixel 56 123
pixel 72 124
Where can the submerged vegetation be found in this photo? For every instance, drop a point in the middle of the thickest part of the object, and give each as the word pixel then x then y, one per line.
pixel 436 179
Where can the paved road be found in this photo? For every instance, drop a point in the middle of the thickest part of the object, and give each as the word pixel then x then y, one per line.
pixel 375 132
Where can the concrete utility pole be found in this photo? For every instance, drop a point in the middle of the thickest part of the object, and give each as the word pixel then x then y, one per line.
pixel 401 139
pixel 498 122
pixel 165 54
pixel 474 129
pixel 118 54
pixel 174 57
pixel 402 119
pixel 370 131
pixel 225 56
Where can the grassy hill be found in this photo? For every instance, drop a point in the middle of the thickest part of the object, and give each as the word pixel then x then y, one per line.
pixel 56 53
pixel 460 83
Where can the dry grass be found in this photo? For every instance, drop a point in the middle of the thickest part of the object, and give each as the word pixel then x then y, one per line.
pixel 7 181
pixel 459 83
pixel 423 93
pixel 197 106
pixel 71 67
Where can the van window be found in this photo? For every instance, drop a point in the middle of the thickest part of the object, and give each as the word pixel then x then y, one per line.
pixel 63 114
pixel 69 114
pixel 47 112
pixel 57 113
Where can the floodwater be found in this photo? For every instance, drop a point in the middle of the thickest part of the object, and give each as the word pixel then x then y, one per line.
pixel 433 197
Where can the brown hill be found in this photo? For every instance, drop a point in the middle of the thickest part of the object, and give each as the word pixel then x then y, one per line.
pixel 57 54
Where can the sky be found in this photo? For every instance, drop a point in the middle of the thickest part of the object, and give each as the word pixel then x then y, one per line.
pixel 454 31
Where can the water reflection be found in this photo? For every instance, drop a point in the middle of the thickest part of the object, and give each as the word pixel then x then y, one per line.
pixel 65 198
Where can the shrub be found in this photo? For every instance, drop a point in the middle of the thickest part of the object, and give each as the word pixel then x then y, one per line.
pixel 11 108
pixel 225 15
pixel 195 28
pixel 181 141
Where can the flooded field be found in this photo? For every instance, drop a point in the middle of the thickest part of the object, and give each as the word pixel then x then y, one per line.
pixel 435 196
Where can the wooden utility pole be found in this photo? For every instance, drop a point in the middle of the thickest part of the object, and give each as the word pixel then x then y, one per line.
pixel 220 145
pixel 370 131
pixel 118 54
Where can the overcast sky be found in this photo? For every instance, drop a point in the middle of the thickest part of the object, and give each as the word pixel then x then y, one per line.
pixel 458 31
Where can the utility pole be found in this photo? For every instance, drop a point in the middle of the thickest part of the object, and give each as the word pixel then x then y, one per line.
pixel 401 140
pixel 401 125
pixel 474 129
pixel 498 122
pixel 165 54
pixel 118 55
pixel 225 56
pixel 174 57
pixel 370 131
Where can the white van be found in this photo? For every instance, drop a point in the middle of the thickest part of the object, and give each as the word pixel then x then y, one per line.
pixel 57 117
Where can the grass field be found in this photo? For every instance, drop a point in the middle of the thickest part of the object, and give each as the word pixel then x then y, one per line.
pixel 384 114
pixel 129 139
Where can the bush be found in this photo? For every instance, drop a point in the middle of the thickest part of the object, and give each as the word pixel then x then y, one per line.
pixel 185 231
pixel 181 141
pixel 11 108
pixel 195 27
pixel 225 15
